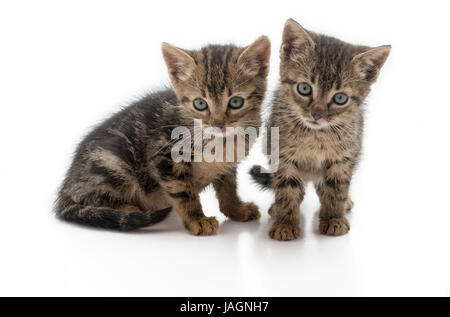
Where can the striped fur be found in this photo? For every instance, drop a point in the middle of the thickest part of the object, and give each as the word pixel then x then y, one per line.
pixel 123 177
pixel 325 151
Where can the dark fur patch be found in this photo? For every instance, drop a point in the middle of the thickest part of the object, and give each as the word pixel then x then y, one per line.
pixel 290 181
pixel 255 95
pixel 263 179
pixel 184 195
pixel 288 81
pixel 108 218
pixel 165 168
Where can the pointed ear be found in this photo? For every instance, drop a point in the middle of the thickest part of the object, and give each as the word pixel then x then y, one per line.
pixel 179 63
pixel 254 60
pixel 296 40
pixel 368 64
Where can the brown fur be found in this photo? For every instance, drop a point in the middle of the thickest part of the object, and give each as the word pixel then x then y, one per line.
pixel 123 176
pixel 130 208
pixel 325 151
pixel 215 74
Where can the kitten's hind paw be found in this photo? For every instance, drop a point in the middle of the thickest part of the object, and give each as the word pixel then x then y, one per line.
pixel 203 227
pixel 246 212
pixel 284 232
pixel 334 226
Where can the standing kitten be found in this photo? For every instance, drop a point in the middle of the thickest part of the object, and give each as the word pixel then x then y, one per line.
pixel 318 109
pixel 123 175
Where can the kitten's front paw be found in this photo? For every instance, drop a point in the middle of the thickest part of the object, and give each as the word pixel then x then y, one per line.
pixel 246 212
pixel 203 227
pixel 284 232
pixel 334 226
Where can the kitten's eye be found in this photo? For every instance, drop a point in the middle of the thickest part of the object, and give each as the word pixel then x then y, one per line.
pixel 236 103
pixel 304 89
pixel 200 104
pixel 340 98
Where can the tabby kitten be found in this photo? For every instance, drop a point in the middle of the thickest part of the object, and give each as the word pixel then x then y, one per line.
pixel 123 175
pixel 319 111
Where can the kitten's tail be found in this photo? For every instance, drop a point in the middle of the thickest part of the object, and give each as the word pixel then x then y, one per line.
pixel 109 218
pixel 262 179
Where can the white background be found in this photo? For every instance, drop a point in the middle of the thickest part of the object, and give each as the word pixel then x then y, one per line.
pixel 66 65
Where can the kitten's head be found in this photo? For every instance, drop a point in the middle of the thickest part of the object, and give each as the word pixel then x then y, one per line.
pixel 222 85
pixel 325 80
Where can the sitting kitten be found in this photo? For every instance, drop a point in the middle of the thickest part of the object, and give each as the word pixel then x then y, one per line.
pixel 319 111
pixel 123 175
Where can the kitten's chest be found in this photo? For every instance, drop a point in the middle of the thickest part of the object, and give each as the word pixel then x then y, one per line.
pixel 311 151
pixel 319 147
pixel 205 173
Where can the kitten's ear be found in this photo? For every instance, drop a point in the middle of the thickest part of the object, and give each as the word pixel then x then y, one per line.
pixel 254 60
pixel 179 63
pixel 368 64
pixel 296 40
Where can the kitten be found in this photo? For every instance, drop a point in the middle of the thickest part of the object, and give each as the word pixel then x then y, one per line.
pixel 319 111
pixel 123 176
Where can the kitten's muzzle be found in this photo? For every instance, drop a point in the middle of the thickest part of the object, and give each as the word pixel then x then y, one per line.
pixel 313 122
pixel 218 124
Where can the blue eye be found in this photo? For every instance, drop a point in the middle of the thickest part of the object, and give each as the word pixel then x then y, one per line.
pixel 236 103
pixel 340 98
pixel 304 89
pixel 200 104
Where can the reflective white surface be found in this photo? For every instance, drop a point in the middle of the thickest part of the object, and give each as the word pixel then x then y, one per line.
pixel 64 67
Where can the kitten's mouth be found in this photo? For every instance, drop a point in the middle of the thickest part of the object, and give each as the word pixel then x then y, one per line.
pixel 315 124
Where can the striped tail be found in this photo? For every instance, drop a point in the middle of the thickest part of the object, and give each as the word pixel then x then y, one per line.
pixel 109 218
pixel 262 179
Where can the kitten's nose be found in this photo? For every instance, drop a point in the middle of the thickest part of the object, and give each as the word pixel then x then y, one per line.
pixel 317 114
pixel 218 124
